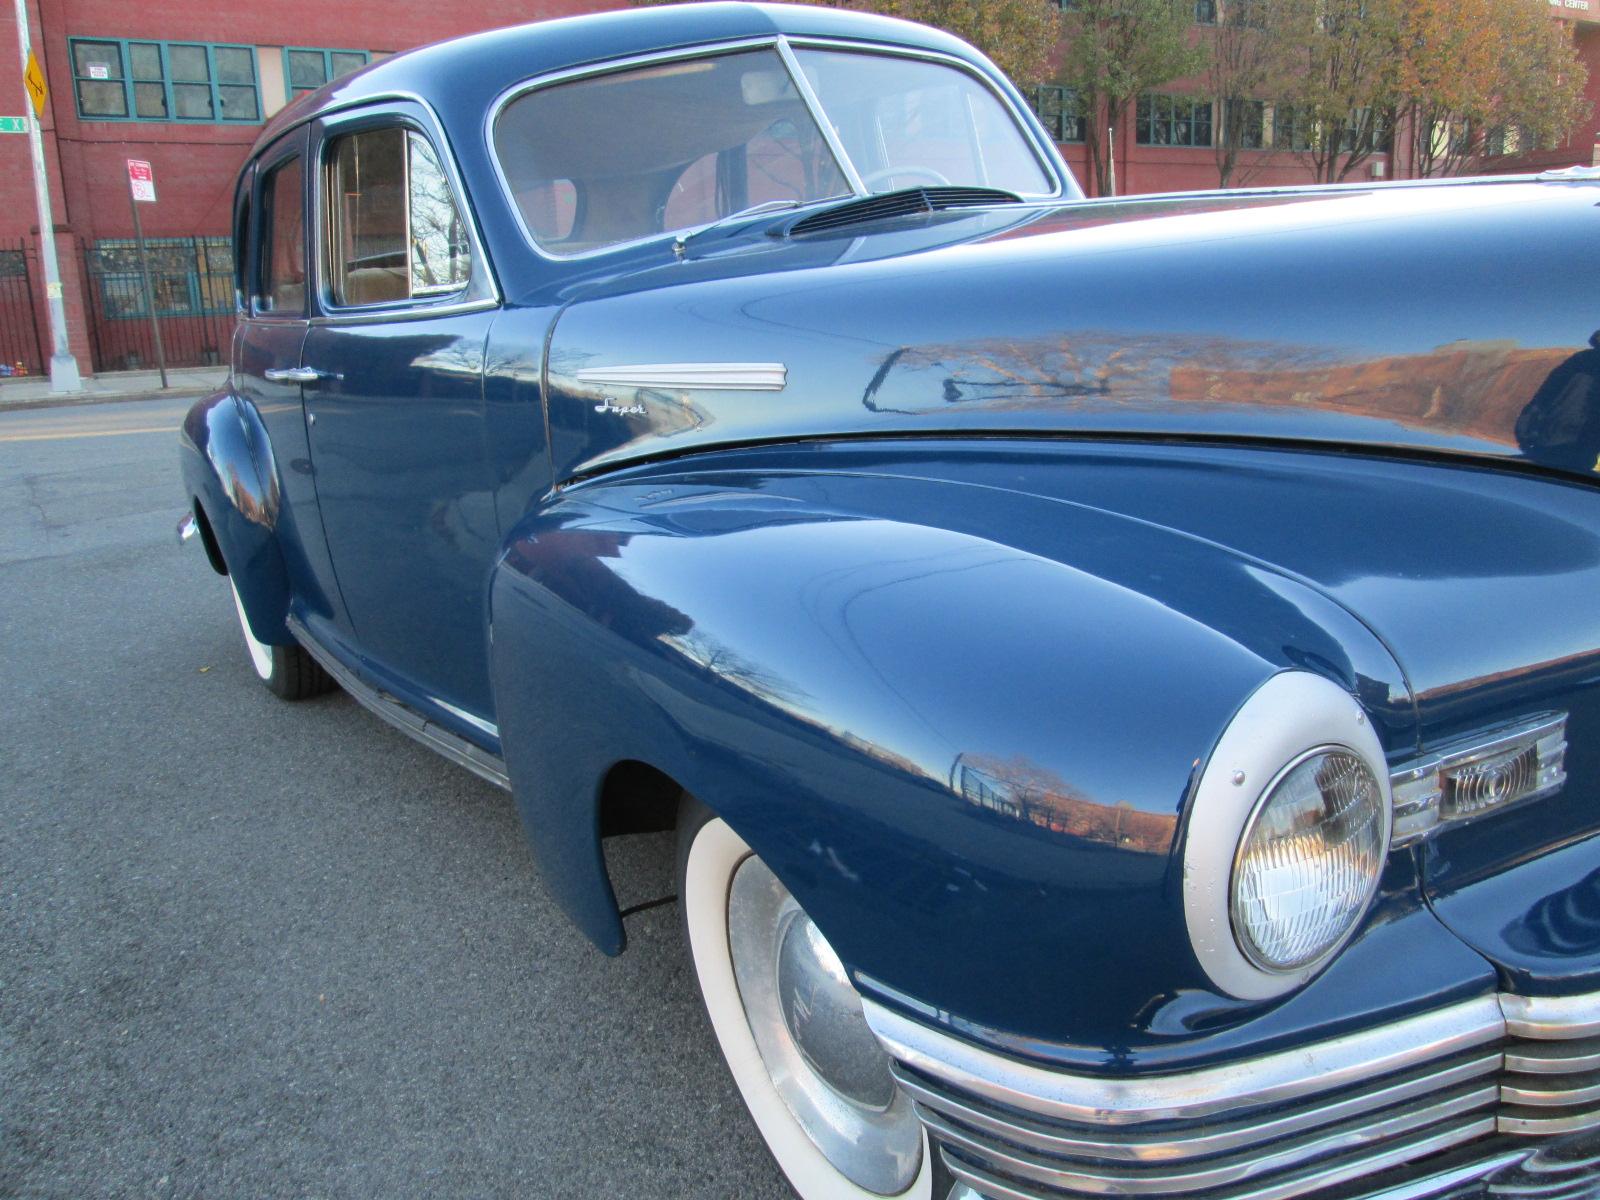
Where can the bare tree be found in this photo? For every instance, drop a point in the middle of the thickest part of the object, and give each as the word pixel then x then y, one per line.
pixel 1252 52
pixel 1117 50
pixel 1343 102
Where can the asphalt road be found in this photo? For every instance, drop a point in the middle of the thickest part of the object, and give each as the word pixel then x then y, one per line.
pixel 253 949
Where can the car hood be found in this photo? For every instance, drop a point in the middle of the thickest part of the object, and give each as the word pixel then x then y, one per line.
pixel 1458 319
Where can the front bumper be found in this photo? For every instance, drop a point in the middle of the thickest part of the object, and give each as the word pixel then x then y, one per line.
pixel 1494 1096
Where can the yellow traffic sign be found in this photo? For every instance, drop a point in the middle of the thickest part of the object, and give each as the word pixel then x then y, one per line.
pixel 33 80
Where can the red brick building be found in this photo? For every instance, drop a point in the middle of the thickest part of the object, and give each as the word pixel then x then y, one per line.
pixel 1149 157
pixel 186 87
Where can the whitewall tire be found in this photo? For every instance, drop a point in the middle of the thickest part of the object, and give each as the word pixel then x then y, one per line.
pixel 288 671
pixel 858 1140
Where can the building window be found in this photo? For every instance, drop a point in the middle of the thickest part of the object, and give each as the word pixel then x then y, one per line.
pixel 1059 111
pixel 1244 124
pixel 308 69
pixel 1292 128
pixel 1205 12
pixel 1173 121
pixel 117 80
pixel 190 277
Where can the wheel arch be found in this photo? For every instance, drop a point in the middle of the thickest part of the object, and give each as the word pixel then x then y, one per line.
pixel 236 503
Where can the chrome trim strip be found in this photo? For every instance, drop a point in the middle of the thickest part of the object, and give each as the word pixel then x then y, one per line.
pixel 1270 1079
pixel 1513 1093
pixel 722 377
pixel 1170 1147
pixel 407 720
pixel 415 308
pixel 1548 1126
pixel 1317 1177
pixel 808 94
pixel 1552 1018
pixel 1550 1058
pixel 1077 1177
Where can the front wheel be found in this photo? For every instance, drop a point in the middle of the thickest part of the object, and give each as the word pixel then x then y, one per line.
pixel 289 671
pixel 790 1026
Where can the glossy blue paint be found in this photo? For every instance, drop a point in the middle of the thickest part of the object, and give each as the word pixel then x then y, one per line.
pixel 872 658
pixel 1235 317
pixel 402 481
pixel 946 627
pixel 242 506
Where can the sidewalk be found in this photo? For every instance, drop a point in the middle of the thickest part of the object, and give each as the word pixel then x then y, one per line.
pixel 33 391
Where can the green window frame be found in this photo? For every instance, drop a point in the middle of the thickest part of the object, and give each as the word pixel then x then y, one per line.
pixel 139 79
pixel 190 277
pixel 306 68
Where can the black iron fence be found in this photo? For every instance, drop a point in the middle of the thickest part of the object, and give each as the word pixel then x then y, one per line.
pixel 191 289
pixel 22 340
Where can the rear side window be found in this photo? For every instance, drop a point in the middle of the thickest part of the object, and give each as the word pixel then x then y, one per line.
pixel 395 232
pixel 283 248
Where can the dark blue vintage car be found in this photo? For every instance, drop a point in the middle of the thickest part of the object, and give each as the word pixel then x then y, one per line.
pixel 1125 674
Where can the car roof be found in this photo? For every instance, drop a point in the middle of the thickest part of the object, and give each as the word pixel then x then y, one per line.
pixel 466 73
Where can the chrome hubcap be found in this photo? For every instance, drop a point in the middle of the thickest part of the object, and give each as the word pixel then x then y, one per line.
pixel 813 1037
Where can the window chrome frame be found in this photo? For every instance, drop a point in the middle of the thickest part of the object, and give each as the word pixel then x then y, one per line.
pixel 326 127
pixel 784 44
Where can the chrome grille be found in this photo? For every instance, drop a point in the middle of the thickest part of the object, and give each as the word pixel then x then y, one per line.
pixel 1551 1083
pixel 1356 1111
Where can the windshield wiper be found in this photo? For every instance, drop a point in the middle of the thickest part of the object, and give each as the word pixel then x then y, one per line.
pixel 681 243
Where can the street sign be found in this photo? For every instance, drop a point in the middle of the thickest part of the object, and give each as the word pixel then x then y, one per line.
pixel 13 124
pixel 141 181
pixel 33 80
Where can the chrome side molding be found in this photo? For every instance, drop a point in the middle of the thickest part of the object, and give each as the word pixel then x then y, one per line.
pixel 713 377
pixel 407 720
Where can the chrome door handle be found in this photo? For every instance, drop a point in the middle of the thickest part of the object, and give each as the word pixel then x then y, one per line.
pixel 298 374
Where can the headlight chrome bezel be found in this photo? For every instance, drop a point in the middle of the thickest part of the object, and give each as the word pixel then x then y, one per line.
pixel 1291 716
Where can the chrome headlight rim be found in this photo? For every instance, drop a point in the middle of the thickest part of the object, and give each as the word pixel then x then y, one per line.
pixel 1292 715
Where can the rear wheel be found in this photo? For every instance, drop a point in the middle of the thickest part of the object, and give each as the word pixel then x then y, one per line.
pixel 790 1026
pixel 288 670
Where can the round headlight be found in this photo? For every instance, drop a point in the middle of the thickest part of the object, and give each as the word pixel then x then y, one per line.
pixel 1287 833
pixel 1309 860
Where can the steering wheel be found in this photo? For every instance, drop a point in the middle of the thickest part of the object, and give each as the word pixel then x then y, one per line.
pixel 927 173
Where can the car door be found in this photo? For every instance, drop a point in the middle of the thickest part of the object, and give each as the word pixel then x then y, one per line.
pixel 395 410
pixel 271 261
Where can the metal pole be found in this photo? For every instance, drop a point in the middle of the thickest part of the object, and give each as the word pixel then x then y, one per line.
pixel 1111 142
pixel 149 292
pixel 64 376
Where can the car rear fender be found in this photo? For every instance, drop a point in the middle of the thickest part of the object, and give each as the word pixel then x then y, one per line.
pixel 235 494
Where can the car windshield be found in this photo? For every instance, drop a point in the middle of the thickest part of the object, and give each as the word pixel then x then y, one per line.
pixel 631 154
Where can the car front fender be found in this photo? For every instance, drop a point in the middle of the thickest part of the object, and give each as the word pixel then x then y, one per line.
pixel 959 724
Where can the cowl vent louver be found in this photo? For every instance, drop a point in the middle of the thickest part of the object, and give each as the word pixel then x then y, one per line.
pixel 908 203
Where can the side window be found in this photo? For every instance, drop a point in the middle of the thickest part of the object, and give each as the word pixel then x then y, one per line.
pixel 394 230
pixel 283 248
